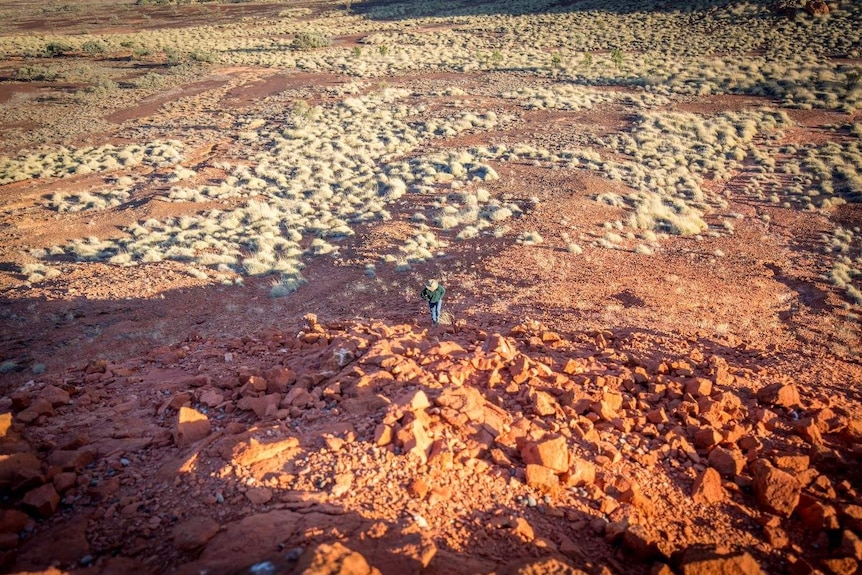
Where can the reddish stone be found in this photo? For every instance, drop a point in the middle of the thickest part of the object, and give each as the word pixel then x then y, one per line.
pixel 581 472
pixel 65 481
pixel 13 521
pixel 42 500
pixel 55 396
pixel 840 566
pixel 852 433
pixel 550 453
pixel 383 434
pixel 519 369
pixel 502 346
pixel 707 437
pixel 613 398
pixel 179 400
pixel 728 462
pixel 542 478
pixel 418 488
pixel 246 453
pixel 5 424
pixel 708 561
pixel 73 459
pixel 255 383
pixel 776 491
pixel 792 462
pixel 657 416
pixel 605 410
pixel 543 403
pixel 707 487
pixel 278 379
pixel 191 426
pixel 808 430
pixel 266 406
pixel 9 540
pixel 333 559
pixel 211 397
pixel 414 439
pixel 194 533
pixel 780 395
pixel 259 495
pixel 776 537
pixel 17 465
pixel 851 545
pixel 698 387
pixel 297 397
pixel 640 544
pixel 819 516
pixel 851 517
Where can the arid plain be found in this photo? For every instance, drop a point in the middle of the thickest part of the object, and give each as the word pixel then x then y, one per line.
pixel 215 220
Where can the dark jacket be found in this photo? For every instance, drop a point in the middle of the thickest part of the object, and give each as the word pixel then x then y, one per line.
pixel 433 296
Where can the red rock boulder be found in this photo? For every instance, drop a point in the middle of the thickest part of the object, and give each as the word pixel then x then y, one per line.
pixel 776 491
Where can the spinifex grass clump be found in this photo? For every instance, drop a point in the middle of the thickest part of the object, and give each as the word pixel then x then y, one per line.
pixel 670 155
pixel 310 174
pixel 310 40
pixel 846 272
pixel 63 162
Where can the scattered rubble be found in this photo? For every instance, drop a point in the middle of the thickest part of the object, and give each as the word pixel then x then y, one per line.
pixel 372 448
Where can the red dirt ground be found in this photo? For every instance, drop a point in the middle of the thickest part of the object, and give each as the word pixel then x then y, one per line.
pixel 189 427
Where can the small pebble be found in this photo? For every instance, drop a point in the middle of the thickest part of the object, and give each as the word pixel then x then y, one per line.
pixel 125 462
pixel 420 521
pixel 264 568
pixel 531 501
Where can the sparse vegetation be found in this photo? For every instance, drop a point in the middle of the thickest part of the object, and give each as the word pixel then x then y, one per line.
pixel 337 164
pixel 93 48
pixel 310 41
pixel 57 48
pixel 33 73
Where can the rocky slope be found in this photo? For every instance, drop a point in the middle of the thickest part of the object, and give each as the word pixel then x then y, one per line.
pixel 351 447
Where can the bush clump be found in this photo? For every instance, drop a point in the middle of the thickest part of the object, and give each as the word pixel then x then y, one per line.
pixel 309 41
pixel 54 49
pixel 93 48
pixel 36 74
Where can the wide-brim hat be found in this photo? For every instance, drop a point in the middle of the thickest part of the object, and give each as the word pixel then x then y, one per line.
pixel 431 284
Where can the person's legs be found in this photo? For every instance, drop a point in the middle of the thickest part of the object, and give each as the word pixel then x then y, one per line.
pixel 435 311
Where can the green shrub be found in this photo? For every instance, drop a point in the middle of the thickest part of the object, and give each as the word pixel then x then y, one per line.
pixel 617 58
pixel 93 47
pixel 150 80
pixel 53 49
pixel 309 41
pixel 36 74
pixel 102 86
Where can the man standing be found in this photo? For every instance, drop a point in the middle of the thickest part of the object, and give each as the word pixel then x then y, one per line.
pixel 433 294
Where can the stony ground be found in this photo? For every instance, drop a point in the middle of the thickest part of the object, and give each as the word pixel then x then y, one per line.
pixel 442 450
pixel 603 412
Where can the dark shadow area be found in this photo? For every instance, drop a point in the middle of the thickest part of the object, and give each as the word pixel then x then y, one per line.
pixel 404 9
pixel 628 299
